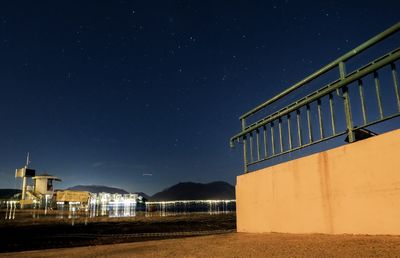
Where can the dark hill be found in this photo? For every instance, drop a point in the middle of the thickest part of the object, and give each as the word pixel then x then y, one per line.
pixel 145 196
pixel 97 189
pixel 196 191
pixel 8 193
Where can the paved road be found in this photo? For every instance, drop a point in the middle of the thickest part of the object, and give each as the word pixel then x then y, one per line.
pixel 239 245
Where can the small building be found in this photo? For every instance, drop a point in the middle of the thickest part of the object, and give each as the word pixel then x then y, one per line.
pixel 43 184
pixel 70 196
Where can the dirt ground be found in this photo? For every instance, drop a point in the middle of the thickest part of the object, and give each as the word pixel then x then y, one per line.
pixel 239 245
pixel 190 235
pixel 27 233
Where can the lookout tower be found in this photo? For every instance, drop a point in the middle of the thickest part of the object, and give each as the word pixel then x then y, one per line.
pixel 24 173
pixel 43 184
pixel 42 189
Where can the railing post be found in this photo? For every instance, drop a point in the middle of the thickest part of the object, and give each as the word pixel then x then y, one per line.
pixel 244 146
pixel 347 106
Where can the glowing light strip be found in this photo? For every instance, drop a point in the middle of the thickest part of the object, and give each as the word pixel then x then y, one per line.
pixel 122 202
pixel 191 201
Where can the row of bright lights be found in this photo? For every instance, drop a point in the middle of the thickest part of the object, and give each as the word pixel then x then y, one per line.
pixel 103 202
pixel 71 203
pixel 12 202
pixel 129 202
pixel 191 201
pixel 93 202
pixel 125 202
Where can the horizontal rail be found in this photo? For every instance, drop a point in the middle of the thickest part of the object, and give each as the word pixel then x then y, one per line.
pixel 370 68
pixel 328 85
pixel 294 103
pixel 312 118
pixel 369 43
pixel 379 121
pixel 297 148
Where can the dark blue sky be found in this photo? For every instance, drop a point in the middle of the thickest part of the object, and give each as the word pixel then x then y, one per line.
pixel 101 92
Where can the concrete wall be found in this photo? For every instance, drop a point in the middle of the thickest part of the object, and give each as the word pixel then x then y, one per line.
pixel 350 189
pixel 41 186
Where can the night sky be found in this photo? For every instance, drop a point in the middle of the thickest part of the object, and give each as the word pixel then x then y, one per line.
pixel 145 94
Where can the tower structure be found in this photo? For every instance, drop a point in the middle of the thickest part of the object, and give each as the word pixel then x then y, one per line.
pixel 24 173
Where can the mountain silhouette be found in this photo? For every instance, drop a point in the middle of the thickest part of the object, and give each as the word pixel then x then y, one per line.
pixel 196 191
pixel 97 189
pixel 8 193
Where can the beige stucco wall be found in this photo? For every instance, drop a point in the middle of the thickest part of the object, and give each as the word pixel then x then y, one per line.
pixel 41 186
pixel 350 189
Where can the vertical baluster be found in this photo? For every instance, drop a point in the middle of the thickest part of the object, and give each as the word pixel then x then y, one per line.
pixel 245 153
pixel 289 132
pixel 280 134
pixel 347 111
pixel 251 147
pixel 362 99
pixel 321 125
pixel 378 93
pixel 258 144
pixel 396 84
pixel 244 147
pixel 299 127
pixel 332 109
pixel 265 141
pixel 310 134
pixel 272 139
pixel 346 103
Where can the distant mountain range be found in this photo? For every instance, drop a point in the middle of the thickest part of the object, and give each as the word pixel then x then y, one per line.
pixel 98 189
pixel 181 191
pixel 103 189
pixel 8 193
pixel 196 191
pixel 145 196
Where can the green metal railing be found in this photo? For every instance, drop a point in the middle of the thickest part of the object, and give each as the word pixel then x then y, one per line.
pixel 266 138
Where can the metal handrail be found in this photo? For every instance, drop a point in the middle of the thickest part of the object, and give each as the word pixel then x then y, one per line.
pixel 378 63
pixel 248 131
pixel 369 43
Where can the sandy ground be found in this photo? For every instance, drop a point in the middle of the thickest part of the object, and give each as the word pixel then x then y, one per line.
pixel 239 245
pixel 52 232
